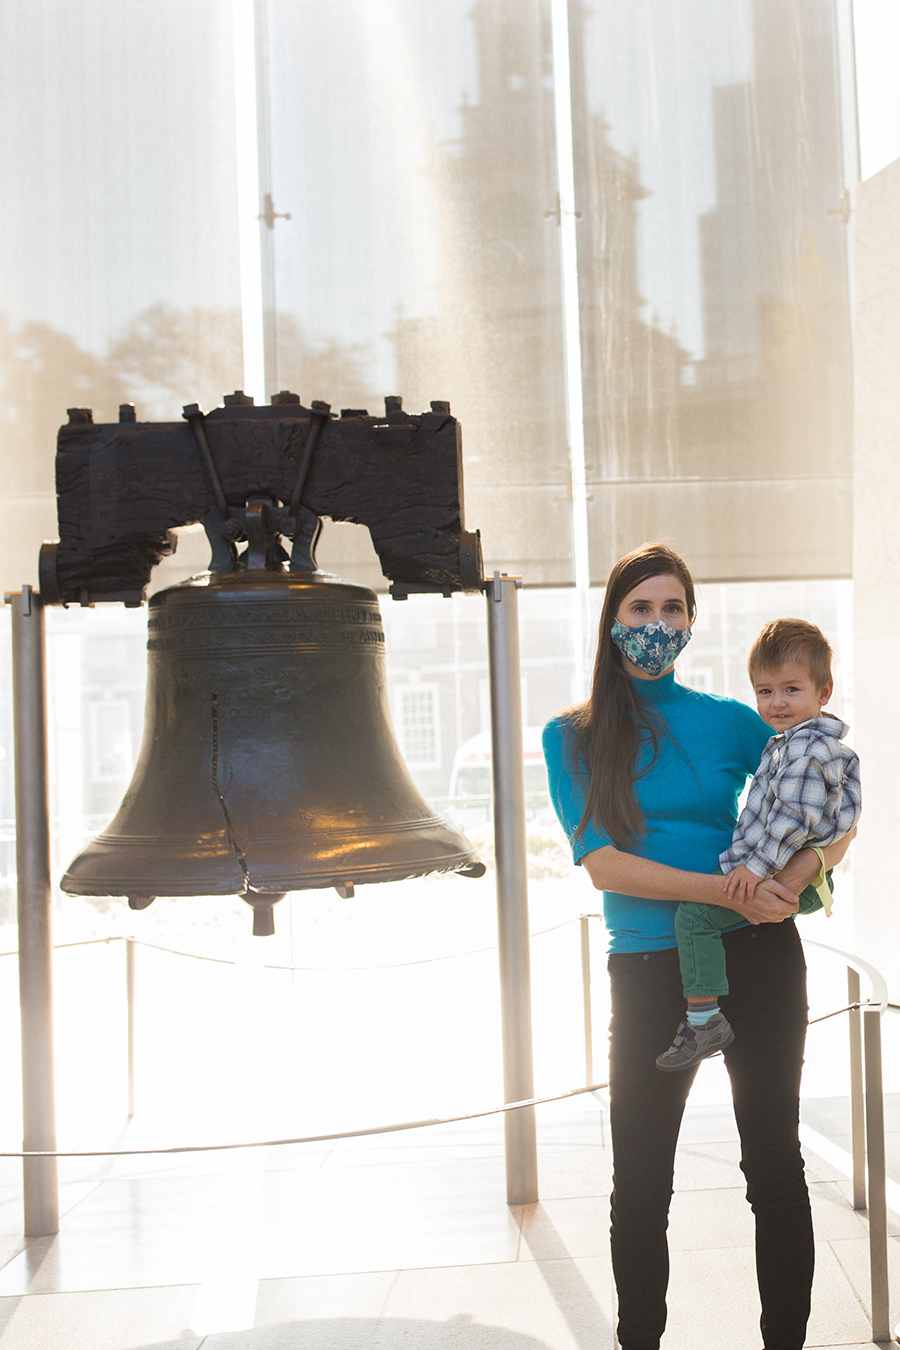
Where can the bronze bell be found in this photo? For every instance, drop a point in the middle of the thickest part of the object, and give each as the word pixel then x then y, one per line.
pixel 268 762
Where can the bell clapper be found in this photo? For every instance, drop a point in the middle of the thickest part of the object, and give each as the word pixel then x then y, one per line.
pixel 346 890
pixel 261 903
pixel 263 921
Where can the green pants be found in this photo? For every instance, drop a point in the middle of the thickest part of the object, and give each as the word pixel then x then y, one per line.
pixel 699 930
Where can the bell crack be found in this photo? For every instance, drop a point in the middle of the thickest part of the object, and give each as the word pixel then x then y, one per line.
pixel 229 828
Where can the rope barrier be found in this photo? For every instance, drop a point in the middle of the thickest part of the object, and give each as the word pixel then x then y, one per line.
pixel 87 942
pixel 170 951
pixel 224 961
pixel 303 1139
pixel 851 1007
pixel 340 1134
pixel 431 960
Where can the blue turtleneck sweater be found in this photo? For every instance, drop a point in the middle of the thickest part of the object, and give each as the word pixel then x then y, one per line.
pixel 689 798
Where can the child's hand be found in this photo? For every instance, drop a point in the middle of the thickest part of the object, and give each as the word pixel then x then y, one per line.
pixel 741 883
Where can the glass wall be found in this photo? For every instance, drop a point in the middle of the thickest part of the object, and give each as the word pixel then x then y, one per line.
pixel 409 217
pixel 709 173
pixel 407 229
pixel 410 168
pixel 713 276
pixel 117 226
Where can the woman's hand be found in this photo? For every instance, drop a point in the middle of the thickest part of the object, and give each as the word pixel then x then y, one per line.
pixel 771 902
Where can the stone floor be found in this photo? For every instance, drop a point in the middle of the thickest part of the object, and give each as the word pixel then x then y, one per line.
pixel 406 1240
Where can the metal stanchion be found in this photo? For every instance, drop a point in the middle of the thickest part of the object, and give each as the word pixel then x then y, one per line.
pixel 512 885
pixel 35 921
pixel 129 984
pixel 586 999
pixel 874 1160
pixel 878 1253
pixel 857 1111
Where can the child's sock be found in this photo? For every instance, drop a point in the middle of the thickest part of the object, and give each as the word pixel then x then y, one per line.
pixel 700 1011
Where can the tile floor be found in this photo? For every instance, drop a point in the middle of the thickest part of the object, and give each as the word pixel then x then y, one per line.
pixel 406 1240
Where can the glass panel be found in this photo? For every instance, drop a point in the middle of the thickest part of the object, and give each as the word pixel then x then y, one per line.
pixel 413 147
pixel 413 239
pixel 117 150
pixel 415 153
pixel 713 283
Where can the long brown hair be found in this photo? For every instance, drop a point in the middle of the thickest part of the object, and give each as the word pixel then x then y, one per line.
pixel 608 726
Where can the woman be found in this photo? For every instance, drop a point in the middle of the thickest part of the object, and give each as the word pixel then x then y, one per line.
pixel 645 777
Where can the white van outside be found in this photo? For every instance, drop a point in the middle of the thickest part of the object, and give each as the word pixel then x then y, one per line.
pixel 470 781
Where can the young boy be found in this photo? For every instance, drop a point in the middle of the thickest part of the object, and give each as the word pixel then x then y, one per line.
pixel 805 793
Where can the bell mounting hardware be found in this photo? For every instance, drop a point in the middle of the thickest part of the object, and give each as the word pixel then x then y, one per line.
pixel 268 762
pixel 122 487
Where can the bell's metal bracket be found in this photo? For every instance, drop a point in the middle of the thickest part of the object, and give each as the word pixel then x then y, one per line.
pixel 220 532
pixel 261 528
pixel 262 524
pixel 302 525
pixel 306 536
pixel 262 521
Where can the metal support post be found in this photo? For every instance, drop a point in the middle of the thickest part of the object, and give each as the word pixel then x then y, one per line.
pixel 512 885
pixel 129 983
pixel 857 1111
pixel 586 1000
pixel 35 917
pixel 878 1254
pixel 873 1111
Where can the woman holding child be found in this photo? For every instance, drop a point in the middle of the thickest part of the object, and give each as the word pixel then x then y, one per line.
pixel 645 777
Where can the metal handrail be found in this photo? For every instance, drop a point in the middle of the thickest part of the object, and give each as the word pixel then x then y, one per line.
pixel 880 997
pixel 867 1123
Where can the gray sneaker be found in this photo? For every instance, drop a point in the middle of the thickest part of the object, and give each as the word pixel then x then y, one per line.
pixel 691 1044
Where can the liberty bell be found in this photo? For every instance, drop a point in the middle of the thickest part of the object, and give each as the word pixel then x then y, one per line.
pixel 268 761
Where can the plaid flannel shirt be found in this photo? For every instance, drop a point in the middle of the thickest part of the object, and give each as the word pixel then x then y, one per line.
pixel 805 791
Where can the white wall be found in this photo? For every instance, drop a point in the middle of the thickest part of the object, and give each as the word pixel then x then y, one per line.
pixel 876 569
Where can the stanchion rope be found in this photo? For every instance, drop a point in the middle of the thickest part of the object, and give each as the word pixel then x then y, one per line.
pixel 301 1139
pixel 224 961
pixel 851 1007
pixel 341 1134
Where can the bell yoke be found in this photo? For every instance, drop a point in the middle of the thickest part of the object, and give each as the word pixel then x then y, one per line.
pixel 268 761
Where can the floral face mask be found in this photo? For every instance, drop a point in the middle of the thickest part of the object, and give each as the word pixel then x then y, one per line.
pixel 653 646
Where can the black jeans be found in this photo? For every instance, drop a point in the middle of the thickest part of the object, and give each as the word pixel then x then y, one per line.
pixel 767 1009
